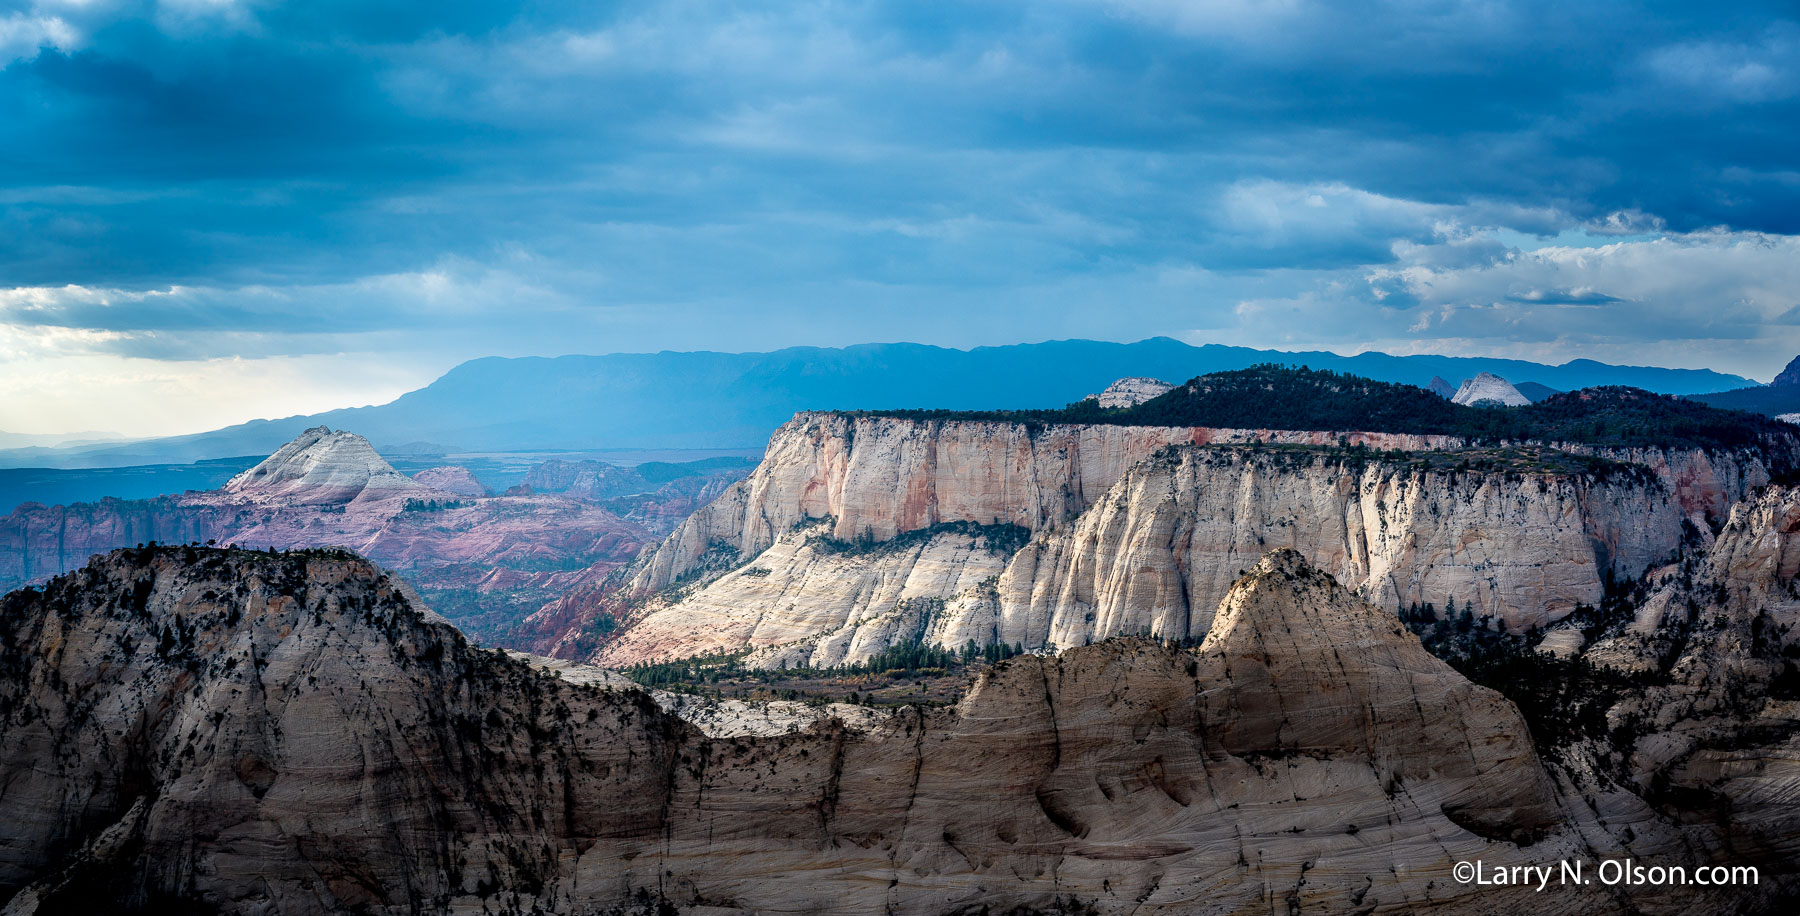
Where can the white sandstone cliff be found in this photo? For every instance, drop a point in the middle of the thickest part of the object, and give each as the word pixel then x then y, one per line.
pixel 1158 550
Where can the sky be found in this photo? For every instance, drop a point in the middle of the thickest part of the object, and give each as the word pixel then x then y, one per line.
pixel 213 210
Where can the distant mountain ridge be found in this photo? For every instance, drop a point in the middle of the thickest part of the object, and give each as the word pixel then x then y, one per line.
pixel 735 400
pixel 1781 396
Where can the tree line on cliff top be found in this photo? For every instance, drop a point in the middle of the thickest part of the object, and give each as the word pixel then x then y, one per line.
pixel 1293 398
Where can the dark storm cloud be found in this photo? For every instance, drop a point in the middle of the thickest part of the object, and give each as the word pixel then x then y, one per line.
pixel 736 157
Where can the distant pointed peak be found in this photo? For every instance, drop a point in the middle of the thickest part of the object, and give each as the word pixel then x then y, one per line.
pixel 1441 387
pixel 1491 389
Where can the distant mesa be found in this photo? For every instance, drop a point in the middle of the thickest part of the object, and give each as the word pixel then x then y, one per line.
pixel 453 479
pixel 321 467
pixel 1130 392
pixel 1789 377
pixel 1489 390
pixel 1441 387
pixel 585 479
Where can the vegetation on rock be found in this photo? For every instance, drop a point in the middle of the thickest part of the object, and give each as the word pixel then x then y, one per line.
pixel 1290 398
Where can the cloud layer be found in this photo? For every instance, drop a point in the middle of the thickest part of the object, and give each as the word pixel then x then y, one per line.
pixel 326 182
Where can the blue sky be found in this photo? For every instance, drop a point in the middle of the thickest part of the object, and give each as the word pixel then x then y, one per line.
pixel 212 210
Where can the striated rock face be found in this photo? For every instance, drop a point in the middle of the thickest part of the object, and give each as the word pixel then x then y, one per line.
pixel 287 734
pixel 1489 389
pixel 1158 551
pixel 1524 538
pixel 811 603
pixel 452 479
pixel 321 467
pixel 877 477
pixel 1130 392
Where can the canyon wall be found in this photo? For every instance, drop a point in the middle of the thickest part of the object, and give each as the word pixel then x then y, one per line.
pixel 876 477
pixel 1133 530
pixel 200 729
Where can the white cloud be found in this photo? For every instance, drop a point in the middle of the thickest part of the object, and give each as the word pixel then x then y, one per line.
pixel 1716 299
pixel 23 35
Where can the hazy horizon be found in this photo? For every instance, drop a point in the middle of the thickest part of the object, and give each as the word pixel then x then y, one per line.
pixel 434 377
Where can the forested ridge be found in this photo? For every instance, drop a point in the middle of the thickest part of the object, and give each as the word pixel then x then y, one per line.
pixel 1292 398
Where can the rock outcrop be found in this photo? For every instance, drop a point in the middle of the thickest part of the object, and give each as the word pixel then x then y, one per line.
pixel 1157 552
pixel 1788 377
pixel 1127 529
pixel 1488 390
pixel 453 479
pixel 877 477
pixel 201 729
pixel 584 479
pixel 1130 392
pixel 1521 546
pixel 1441 387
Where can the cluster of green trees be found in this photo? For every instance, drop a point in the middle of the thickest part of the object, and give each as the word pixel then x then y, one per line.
pixel 1004 538
pixel 1285 397
pixel 433 505
pixel 917 655
pixel 906 659
pixel 1561 699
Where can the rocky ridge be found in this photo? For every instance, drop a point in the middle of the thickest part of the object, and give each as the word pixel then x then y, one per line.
pixel 457 480
pixel 205 728
pixel 1126 529
pixel 1130 392
pixel 1789 376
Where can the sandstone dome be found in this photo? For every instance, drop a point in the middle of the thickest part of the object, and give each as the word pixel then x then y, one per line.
pixel 322 467
pixel 1488 387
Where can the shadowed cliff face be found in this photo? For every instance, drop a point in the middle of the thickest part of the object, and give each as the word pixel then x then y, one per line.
pixel 287 733
pixel 1131 530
